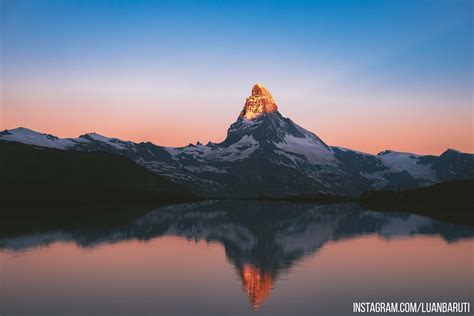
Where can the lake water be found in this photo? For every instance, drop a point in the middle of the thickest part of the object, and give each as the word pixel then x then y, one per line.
pixel 235 258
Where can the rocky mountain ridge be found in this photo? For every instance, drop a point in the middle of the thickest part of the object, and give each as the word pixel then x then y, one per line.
pixel 266 154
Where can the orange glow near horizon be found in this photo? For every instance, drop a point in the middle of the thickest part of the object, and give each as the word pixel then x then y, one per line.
pixel 178 120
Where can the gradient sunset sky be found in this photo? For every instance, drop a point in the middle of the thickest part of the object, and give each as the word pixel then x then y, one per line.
pixel 368 75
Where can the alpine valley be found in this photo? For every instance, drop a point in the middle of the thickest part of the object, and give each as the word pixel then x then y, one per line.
pixel 268 155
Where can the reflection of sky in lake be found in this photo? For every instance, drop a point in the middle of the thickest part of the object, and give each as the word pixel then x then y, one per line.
pixel 227 257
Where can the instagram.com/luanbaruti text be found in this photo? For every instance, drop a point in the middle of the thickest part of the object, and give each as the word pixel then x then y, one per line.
pixel 411 307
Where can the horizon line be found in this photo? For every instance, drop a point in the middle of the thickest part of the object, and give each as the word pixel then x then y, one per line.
pixel 197 143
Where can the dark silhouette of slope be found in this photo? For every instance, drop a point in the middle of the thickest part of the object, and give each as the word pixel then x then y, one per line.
pixel 451 201
pixel 36 176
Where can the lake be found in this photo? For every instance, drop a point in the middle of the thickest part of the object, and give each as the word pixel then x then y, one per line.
pixel 234 258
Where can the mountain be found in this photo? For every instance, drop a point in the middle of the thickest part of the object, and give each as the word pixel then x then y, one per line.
pixel 266 154
pixel 38 175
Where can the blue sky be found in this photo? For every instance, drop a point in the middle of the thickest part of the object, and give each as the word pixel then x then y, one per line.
pixel 354 72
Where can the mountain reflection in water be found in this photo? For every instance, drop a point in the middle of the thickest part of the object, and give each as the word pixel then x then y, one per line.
pixel 257 284
pixel 262 240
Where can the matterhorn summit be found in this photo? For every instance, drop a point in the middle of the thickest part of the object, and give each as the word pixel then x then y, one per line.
pixel 261 121
pixel 259 103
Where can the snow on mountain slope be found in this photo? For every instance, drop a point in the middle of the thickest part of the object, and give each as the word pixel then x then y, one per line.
pixel 314 152
pixel 240 150
pixel 114 142
pixel 400 161
pixel 27 136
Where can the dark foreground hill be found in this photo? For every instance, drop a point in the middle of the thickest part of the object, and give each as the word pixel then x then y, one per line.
pixel 33 176
pixel 451 201
pixel 38 177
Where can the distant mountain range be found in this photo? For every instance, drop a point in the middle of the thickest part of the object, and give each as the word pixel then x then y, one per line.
pixel 266 154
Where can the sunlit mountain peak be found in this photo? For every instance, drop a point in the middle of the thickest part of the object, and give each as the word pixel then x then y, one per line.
pixel 259 103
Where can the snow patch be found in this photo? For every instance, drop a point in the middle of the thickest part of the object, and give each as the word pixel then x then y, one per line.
pixel 27 136
pixel 314 150
pixel 114 142
pixel 240 150
pixel 399 161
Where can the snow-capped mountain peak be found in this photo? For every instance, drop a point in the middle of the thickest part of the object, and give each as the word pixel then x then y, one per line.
pixel 276 135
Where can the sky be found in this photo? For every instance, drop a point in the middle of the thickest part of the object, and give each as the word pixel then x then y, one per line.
pixel 367 75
